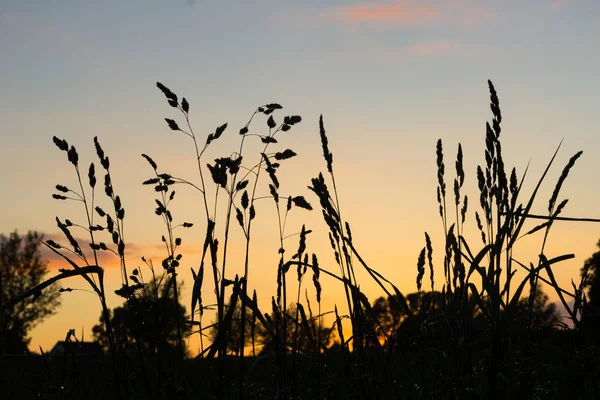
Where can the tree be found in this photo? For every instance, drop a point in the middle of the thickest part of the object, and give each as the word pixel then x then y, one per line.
pixel 386 316
pixel 149 318
pixel 590 274
pixel 21 268
pixel 543 314
pixel 402 328
pixel 389 316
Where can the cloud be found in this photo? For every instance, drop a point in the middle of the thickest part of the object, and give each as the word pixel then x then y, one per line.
pixel 410 14
pixel 405 14
pixel 558 4
pixel 56 261
pixel 107 259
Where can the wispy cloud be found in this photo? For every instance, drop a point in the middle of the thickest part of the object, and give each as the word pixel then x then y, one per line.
pixel 558 4
pixel 133 253
pixel 56 261
pixel 409 14
pixel 404 14
pixel 473 15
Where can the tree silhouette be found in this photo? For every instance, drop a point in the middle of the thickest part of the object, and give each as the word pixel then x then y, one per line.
pixel 591 269
pixel 386 316
pixel 21 268
pixel 590 274
pixel 389 315
pixel 543 314
pixel 149 318
pixel 401 328
pixel 296 334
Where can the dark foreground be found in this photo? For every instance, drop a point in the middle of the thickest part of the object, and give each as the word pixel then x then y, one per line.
pixel 554 365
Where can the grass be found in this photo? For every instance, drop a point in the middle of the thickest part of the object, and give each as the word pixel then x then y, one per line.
pixel 466 341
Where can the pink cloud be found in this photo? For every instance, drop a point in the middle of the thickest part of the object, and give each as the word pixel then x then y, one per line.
pixel 133 252
pixel 56 261
pixel 470 14
pixel 558 4
pixel 405 14
pixel 411 14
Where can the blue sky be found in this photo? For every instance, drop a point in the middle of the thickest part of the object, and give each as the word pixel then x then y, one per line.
pixel 390 77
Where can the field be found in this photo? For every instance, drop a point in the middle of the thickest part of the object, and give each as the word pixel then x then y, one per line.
pixel 486 334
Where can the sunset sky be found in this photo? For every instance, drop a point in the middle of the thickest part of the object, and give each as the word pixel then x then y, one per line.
pixel 389 77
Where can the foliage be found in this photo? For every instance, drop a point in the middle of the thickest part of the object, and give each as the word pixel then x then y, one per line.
pixel 591 272
pixel 308 337
pixel 590 276
pixel 22 268
pixel 148 319
pixel 543 315
pixel 388 316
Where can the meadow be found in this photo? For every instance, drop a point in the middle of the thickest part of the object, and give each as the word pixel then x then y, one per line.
pixel 486 334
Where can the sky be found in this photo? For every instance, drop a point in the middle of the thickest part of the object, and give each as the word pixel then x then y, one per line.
pixel 389 77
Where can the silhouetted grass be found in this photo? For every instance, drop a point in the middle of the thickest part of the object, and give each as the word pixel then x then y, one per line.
pixel 476 338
